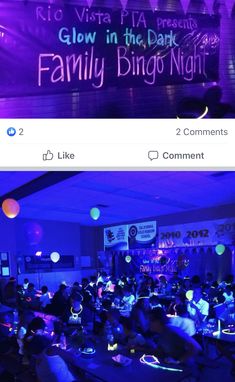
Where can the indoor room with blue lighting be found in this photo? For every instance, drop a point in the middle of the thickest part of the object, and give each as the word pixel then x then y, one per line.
pixel 108 275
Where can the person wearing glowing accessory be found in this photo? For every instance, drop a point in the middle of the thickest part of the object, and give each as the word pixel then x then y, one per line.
pixel 73 314
pixel 198 308
pixel 174 346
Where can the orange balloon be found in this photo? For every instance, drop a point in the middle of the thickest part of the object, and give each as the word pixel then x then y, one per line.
pixel 11 208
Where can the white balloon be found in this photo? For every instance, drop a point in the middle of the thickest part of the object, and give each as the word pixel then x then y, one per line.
pixel 55 256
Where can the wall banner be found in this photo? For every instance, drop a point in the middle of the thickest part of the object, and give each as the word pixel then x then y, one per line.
pixel 116 238
pixel 142 235
pixel 204 233
pixel 48 48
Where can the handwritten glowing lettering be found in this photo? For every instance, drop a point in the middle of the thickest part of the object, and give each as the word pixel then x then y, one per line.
pixel 75 37
pixel 161 39
pixel 46 13
pixel 87 16
pixel 139 65
pixel 83 67
pixel 187 23
pixel 188 65
pixel 134 18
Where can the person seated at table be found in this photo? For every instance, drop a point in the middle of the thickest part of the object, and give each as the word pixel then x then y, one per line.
pixel 92 287
pixel 10 293
pixel 76 288
pixel 26 317
pixel 162 288
pixel 154 302
pixel 146 286
pixel 20 296
pixel 122 281
pixel 174 282
pixel 51 365
pixel 128 298
pixel 110 285
pixel 6 343
pixel 212 293
pixel 88 309
pixel 173 345
pixel 85 288
pixel 118 295
pixel 178 300
pixel 102 278
pixel 198 308
pixel 186 285
pixel 228 295
pixel 182 320
pixel 133 339
pixel 36 328
pixel 149 285
pixel 44 299
pixel 26 283
pixel 73 313
pixel 101 315
pixel 209 279
pixel 31 300
pixel 113 319
pixel 59 301
pixel 100 290
pixel 140 314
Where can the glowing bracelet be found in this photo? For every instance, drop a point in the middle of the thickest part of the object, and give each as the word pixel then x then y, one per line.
pixel 156 364
pixel 225 331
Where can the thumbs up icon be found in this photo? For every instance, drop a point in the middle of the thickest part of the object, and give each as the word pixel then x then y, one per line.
pixel 48 155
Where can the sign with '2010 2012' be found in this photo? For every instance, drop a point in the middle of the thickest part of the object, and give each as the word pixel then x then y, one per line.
pixel 49 48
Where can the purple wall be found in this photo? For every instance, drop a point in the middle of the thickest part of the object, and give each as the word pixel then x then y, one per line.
pixel 63 237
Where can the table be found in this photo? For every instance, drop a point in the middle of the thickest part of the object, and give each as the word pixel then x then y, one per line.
pixel 102 367
pixel 224 343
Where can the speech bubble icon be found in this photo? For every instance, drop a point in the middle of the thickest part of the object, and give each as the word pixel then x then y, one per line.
pixel 153 154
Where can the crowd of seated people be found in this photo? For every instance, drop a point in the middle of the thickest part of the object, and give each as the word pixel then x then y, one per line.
pixel 132 309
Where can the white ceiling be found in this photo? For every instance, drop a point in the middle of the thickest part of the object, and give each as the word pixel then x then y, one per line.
pixel 124 195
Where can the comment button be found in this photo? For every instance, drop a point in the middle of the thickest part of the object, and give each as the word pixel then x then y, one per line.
pixel 153 154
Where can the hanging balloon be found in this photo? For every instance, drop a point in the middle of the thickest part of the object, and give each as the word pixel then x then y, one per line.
pixel 189 295
pixel 219 249
pixel 55 256
pixel 11 208
pixel 95 213
pixel 34 233
pixel 128 259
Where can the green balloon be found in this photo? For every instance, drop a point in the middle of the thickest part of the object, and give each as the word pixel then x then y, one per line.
pixel 128 259
pixel 95 213
pixel 219 249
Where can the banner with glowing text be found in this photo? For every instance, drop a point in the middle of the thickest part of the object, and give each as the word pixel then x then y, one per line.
pixel 211 232
pixel 60 48
pixel 142 235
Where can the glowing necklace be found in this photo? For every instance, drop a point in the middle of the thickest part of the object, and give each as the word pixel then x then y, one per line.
pixel 75 315
pixel 155 363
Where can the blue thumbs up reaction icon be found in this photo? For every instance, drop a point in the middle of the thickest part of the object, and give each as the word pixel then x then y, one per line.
pixel 11 131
